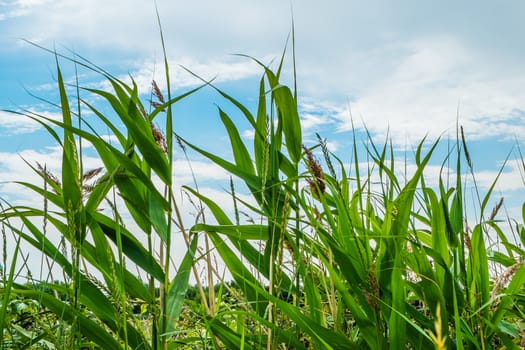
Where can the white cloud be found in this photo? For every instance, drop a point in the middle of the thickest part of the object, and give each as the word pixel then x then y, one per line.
pixel 510 179
pixel 332 146
pixel 248 134
pixel 16 124
pixel 19 8
pixel 203 171
pixel 404 68
pixel 221 69
pixel 313 121
pixel 31 3
pixel 132 24
pixel 421 94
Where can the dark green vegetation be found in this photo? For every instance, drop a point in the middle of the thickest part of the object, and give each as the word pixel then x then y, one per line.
pixel 336 257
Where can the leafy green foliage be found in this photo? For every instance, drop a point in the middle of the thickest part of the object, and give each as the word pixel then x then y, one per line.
pixel 336 259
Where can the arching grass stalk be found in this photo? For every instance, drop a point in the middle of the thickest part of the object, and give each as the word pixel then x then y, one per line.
pixel 164 313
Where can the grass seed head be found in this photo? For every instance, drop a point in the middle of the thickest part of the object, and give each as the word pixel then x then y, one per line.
pixel 156 105
pixel 317 185
pixel 88 175
pixel 47 174
pixel 467 154
pixel 373 296
pixel 87 189
pixel 156 91
pixel 159 138
pixel 326 155
pixel 504 278
pixel 179 142
pixel 142 111
pixel 467 242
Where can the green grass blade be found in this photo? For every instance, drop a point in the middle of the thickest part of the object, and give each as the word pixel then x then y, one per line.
pixel 237 232
pixel 289 117
pixel 177 289
pixel 131 247
pixel 240 153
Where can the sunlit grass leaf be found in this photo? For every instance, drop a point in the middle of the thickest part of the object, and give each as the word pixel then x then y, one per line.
pixel 240 153
pixel 72 191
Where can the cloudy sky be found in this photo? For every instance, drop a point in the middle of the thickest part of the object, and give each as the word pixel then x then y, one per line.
pixel 406 69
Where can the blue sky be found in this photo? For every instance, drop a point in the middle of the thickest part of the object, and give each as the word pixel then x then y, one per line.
pixel 407 68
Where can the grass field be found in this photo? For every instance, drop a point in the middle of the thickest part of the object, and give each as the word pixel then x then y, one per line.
pixel 333 256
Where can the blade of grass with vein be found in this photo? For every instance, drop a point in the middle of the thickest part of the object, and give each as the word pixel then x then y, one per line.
pixel 229 337
pixel 260 142
pixel 240 152
pixel 177 288
pixel 438 227
pixel 131 246
pixel 72 194
pixel 70 162
pixel 238 232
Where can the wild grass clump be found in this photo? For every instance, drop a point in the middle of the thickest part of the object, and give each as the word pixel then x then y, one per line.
pixel 332 258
